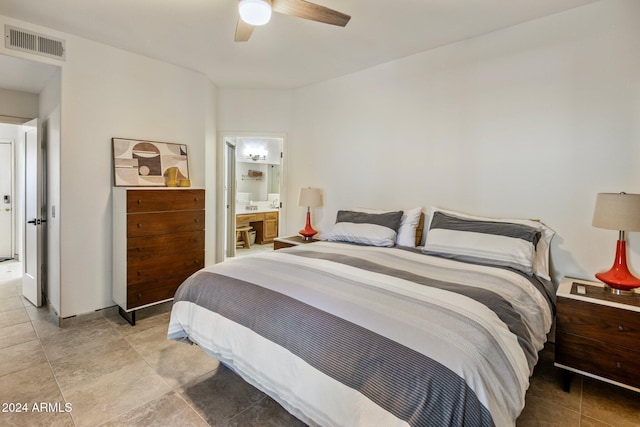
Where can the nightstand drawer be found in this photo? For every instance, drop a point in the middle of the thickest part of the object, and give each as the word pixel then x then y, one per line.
pixel 279 244
pixel 290 241
pixel 600 322
pixel 599 358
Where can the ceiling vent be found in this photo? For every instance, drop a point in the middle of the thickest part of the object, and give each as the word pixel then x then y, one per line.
pixel 28 41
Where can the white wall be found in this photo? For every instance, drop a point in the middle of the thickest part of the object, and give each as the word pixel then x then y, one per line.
pixel 49 101
pixel 253 113
pixel 259 111
pixel 211 161
pixel 107 92
pixel 530 121
pixel 519 122
pixel 18 104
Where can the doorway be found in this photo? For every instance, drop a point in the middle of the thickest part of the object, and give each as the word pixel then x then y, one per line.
pixel 253 192
pixel 34 90
pixel 7 210
pixel 22 221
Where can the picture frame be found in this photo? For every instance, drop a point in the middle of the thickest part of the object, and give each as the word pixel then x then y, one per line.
pixel 140 163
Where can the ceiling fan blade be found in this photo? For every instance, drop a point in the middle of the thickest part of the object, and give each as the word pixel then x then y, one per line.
pixel 312 11
pixel 243 31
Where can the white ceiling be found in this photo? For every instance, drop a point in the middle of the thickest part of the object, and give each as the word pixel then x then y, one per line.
pixel 288 52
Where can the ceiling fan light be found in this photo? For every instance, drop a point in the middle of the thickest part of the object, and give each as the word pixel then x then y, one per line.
pixel 255 12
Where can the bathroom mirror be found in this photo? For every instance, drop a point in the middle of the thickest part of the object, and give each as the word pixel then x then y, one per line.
pixel 258 169
pixel 273 179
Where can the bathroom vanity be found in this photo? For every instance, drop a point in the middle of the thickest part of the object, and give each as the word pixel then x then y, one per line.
pixel 265 224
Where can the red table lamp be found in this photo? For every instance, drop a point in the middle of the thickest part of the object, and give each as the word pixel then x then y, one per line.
pixel 311 198
pixel 618 211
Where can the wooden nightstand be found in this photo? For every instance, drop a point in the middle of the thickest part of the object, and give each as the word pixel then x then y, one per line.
pixel 287 242
pixel 598 333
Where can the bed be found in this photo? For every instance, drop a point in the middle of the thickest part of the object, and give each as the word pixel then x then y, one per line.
pixel 353 334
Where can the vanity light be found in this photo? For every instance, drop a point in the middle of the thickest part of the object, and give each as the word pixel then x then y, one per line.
pixel 255 12
pixel 256 157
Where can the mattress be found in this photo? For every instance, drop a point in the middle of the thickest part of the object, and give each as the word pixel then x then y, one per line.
pixel 348 335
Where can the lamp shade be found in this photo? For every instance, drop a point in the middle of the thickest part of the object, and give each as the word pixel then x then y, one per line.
pixel 255 12
pixel 310 197
pixel 617 211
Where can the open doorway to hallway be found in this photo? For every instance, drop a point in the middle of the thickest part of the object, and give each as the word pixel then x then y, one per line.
pixel 30 97
pixel 7 201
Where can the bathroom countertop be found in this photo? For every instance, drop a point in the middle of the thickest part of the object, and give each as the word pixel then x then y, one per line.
pixel 240 211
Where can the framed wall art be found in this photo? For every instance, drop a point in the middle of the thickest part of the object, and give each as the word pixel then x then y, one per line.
pixel 148 163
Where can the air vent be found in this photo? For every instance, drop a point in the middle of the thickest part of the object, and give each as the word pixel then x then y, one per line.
pixel 28 41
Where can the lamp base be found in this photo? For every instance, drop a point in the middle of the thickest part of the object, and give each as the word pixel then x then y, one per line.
pixel 615 291
pixel 619 279
pixel 308 232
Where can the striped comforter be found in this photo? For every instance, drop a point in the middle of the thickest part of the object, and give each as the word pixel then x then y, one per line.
pixel 350 335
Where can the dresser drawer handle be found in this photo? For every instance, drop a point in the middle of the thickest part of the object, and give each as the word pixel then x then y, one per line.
pixel 196 220
pixel 139 295
pixel 618 365
pixel 139 273
pixel 195 199
pixel 139 202
pixel 196 261
pixel 620 328
pixel 139 225
pixel 139 249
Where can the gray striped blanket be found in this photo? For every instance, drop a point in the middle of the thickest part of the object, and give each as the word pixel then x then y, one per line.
pixel 350 335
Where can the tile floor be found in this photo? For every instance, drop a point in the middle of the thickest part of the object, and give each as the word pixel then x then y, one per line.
pixel 109 373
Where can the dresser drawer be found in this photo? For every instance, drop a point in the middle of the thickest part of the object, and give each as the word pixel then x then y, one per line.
pixel 153 269
pixel 159 290
pixel 599 358
pixel 148 224
pixel 600 322
pixel 247 218
pixel 271 215
pixel 139 248
pixel 164 200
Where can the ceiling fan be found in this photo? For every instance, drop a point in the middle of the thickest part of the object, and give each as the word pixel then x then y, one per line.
pixel 254 13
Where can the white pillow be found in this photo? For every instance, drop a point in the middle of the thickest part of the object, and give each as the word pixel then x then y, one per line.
pixel 408 224
pixel 541 260
pixel 372 229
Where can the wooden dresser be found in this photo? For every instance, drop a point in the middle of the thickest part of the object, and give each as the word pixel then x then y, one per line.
pixel 598 333
pixel 158 241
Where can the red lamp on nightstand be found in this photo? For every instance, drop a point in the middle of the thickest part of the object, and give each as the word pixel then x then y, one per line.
pixel 311 198
pixel 618 211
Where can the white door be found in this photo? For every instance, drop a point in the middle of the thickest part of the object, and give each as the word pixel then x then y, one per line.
pixel 6 200
pixel 230 199
pixel 31 280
